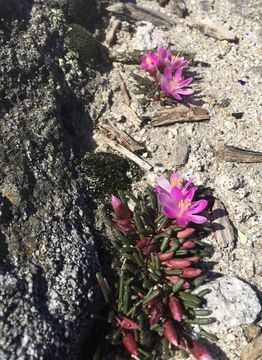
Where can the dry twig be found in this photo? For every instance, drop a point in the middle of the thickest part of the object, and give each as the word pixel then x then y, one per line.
pixel 111 34
pixel 125 152
pixel 129 114
pixel 233 154
pixel 123 89
pixel 139 13
pixel 224 231
pixel 179 114
pixel 121 137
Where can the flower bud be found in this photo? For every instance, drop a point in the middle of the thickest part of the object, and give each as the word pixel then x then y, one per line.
pixel 175 308
pixel 185 233
pixel 165 256
pixel 198 350
pixel 191 273
pixel 126 323
pixel 156 313
pixel 120 209
pixel 178 263
pixel 170 333
pixel 188 245
pixel 130 344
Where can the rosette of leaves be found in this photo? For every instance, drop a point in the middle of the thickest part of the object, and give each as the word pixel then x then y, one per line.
pixel 157 266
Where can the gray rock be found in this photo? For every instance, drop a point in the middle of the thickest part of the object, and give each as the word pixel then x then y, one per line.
pixel 47 253
pixel 232 302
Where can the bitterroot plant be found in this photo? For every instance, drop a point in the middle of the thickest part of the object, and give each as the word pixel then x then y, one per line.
pixel 154 307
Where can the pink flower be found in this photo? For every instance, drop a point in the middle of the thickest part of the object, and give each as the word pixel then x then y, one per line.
pixel 173 85
pixel 126 323
pixel 198 350
pixel 163 54
pixel 120 209
pixel 175 308
pixel 179 206
pixel 176 180
pixel 150 63
pixel 175 62
pixel 130 344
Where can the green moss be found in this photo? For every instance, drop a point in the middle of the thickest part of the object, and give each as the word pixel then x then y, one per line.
pixel 107 173
pixel 82 42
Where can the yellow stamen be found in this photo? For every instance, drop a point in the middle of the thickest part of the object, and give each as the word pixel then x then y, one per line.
pixel 148 60
pixel 176 182
pixel 184 204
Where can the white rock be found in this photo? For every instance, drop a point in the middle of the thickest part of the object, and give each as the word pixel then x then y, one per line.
pixel 232 302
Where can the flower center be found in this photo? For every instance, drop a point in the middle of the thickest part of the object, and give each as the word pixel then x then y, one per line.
pixel 148 60
pixel 175 57
pixel 174 84
pixel 176 182
pixel 184 204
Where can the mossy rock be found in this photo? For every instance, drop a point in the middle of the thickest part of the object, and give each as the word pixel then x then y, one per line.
pixel 106 173
pixel 82 42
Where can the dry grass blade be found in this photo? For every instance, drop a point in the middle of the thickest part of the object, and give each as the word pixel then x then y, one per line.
pixel 233 154
pixel 179 114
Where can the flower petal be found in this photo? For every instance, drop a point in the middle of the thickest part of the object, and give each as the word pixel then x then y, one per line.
pixel 186 82
pixel 198 206
pixel 176 195
pixel 185 91
pixel 178 75
pixel 169 212
pixel 165 86
pixel 197 219
pixel 176 95
pixel 163 183
pixel 168 73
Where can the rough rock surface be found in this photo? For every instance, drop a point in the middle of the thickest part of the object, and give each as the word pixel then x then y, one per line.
pixel 232 302
pixel 47 253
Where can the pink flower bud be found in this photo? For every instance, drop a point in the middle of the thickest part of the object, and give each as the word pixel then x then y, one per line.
pixel 149 249
pixel 130 344
pixel 143 242
pixel 153 302
pixel 156 313
pixel 165 256
pixel 188 245
pixel 120 209
pixel 193 259
pixel 198 350
pixel 126 323
pixel 178 263
pixel 175 308
pixel 185 233
pixel 170 333
pixel 191 273
pixel 125 226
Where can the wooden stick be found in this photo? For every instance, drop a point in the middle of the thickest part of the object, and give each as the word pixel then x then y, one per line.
pixel 140 14
pixel 129 114
pixel 210 28
pixel 122 150
pixel 233 154
pixel 179 114
pixel 121 137
pixel 123 89
pixel 111 33
pixel 224 231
